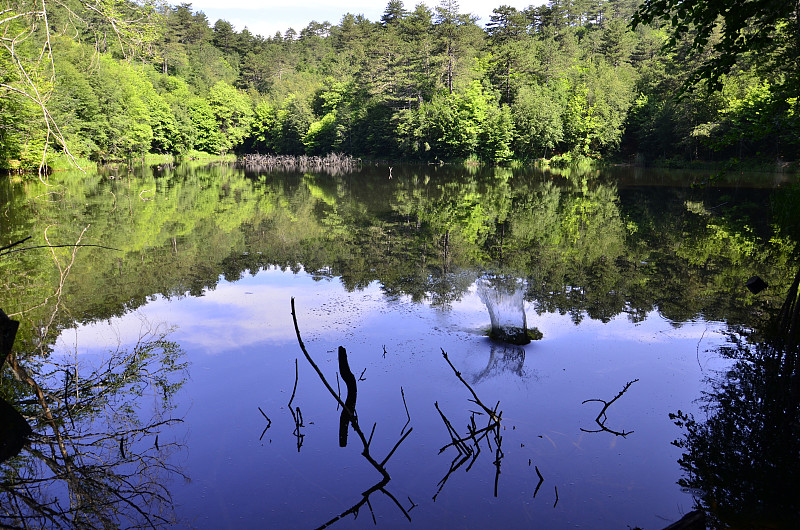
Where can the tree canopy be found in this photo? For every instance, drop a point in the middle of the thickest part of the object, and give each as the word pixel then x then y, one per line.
pixel 566 80
pixel 734 31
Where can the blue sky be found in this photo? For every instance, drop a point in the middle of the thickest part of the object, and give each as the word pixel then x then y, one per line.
pixel 265 17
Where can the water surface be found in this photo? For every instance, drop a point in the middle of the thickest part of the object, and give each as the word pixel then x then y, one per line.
pixel 635 281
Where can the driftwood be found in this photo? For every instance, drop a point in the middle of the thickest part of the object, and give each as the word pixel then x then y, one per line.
pixel 332 163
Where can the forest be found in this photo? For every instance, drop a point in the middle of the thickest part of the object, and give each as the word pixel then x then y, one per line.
pixel 652 82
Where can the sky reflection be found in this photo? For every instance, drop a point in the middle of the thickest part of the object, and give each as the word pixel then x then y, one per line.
pixel 241 346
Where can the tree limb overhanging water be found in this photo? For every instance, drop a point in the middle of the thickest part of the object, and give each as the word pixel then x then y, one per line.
pixel 89 435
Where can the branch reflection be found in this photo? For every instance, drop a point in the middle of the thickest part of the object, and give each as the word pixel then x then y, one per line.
pixel 92 458
pixel 469 445
pixel 350 417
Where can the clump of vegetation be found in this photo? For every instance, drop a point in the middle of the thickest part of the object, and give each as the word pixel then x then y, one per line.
pixel 516 336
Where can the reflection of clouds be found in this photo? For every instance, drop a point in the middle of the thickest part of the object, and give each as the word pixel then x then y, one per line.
pixel 100 337
pixel 256 309
pixel 235 315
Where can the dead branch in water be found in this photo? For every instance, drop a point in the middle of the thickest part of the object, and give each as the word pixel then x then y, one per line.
pixel 602 414
pixel 296 415
pixel 348 409
pixel 468 446
pixel 333 163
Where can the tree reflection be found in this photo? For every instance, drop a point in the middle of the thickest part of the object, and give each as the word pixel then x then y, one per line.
pixel 744 458
pixel 583 246
pixel 93 458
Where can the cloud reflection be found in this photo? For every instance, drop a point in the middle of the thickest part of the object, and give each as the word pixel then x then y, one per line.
pixel 252 310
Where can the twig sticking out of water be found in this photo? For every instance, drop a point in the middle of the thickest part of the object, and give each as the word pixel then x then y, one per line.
pixel 350 411
pixel 541 480
pixel 269 424
pixel 403 394
pixel 468 446
pixel 352 391
pixel 475 398
pixel 602 414
pixel 297 416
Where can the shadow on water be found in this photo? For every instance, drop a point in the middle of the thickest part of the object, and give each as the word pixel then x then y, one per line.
pixel 74 450
pixel 742 460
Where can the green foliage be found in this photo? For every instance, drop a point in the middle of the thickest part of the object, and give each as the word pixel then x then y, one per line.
pixel 205 125
pixel 733 30
pixel 321 136
pixel 496 135
pixel 537 114
pixel 457 126
pixel 265 119
pixel 233 115
pixel 715 46
pixel 569 80
pixel 293 121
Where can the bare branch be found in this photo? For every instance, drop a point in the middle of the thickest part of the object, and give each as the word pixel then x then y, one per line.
pixel 602 414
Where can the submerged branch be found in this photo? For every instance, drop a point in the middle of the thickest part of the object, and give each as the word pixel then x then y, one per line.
pixel 602 414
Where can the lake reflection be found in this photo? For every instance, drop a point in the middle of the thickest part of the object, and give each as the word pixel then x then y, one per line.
pixel 625 283
pixel 237 477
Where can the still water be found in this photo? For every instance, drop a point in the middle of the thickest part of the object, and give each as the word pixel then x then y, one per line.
pixel 178 393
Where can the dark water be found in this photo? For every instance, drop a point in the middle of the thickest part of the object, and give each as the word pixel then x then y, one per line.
pixel 168 360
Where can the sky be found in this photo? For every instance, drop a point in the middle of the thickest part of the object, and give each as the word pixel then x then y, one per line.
pixel 266 17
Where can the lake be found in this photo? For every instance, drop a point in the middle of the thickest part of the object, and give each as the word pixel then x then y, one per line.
pixel 528 348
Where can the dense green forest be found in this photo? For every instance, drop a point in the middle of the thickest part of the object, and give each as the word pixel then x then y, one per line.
pixel 571 79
